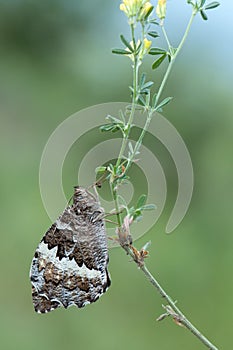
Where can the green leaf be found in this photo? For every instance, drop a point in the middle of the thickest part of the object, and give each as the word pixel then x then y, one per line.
pixel 148 207
pixel 113 127
pixel 212 5
pixel 113 119
pixel 157 51
pixel 202 2
pixel 203 15
pixel 138 48
pixel 143 79
pixel 110 167
pixel 153 34
pixel 141 101
pixel 157 63
pixel 105 127
pixel 120 52
pixel 154 99
pixel 153 21
pixel 141 201
pixel 100 169
pixel 126 43
pixel 122 201
pixel 163 103
pixel 122 116
pixel 147 85
pixel 138 218
pixel 130 147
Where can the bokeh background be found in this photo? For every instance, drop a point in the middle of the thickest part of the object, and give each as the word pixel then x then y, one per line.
pixel 55 60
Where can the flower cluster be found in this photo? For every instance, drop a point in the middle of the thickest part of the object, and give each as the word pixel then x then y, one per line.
pixel 138 9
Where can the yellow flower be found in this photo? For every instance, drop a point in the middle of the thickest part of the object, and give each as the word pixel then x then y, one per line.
pixel 146 9
pixel 123 8
pixel 161 9
pixel 147 44
pixel 132 7
pixel 145 48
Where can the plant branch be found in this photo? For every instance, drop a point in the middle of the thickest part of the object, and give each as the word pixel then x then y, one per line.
pixel 165 78
pixel 174 311
pixel 124 239
pixel 173 55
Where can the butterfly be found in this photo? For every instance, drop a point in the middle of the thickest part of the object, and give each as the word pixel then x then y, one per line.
pixel 70 263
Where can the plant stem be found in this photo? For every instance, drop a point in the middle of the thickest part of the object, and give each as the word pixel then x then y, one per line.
pixel 134 99
pixel 114 195
pixel 173 58
pixel 178 315
pixel 174 311
pixel 174 55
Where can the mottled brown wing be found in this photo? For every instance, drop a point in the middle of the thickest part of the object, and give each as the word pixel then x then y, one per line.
pixel 70 264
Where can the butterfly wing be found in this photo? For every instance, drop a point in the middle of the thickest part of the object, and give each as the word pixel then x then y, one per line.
pixel 70 264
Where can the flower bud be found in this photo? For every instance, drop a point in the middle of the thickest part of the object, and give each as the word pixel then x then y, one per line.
pixel 161 9
pixel 145 48
pixel 146 10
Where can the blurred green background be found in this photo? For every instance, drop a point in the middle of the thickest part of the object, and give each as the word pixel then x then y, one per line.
pixel 55 60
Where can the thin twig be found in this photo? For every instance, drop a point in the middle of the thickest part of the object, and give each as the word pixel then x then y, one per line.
pixel 174 311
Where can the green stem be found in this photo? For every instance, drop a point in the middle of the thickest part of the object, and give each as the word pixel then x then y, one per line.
pixel 134 99
pixel 165 35
pixel 176 312
pixel 114 195
pixel 174 56
pixel 181 316
pixel 165 78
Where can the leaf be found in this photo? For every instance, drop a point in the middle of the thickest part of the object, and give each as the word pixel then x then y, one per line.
pixel 157 63
pixel 149 207
pixel 138 218
pixel 113 127
pixel 147 85
pixel 202 2
pixel 153 34
pixel 153 21
pixel 122 201
pixel 120 52
pixel 138 48
pixel 157 51
pixel 212 5
pixel 113 119
pixel 141 201
pixel 130 147
pixel 100 169
pixel 122 116
pixel 142 79
pixel 105 127
pixel 126 43
pixel 141 101
pixel 154 99
pixel 131 89
pixel 163 103
pixel 203 15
